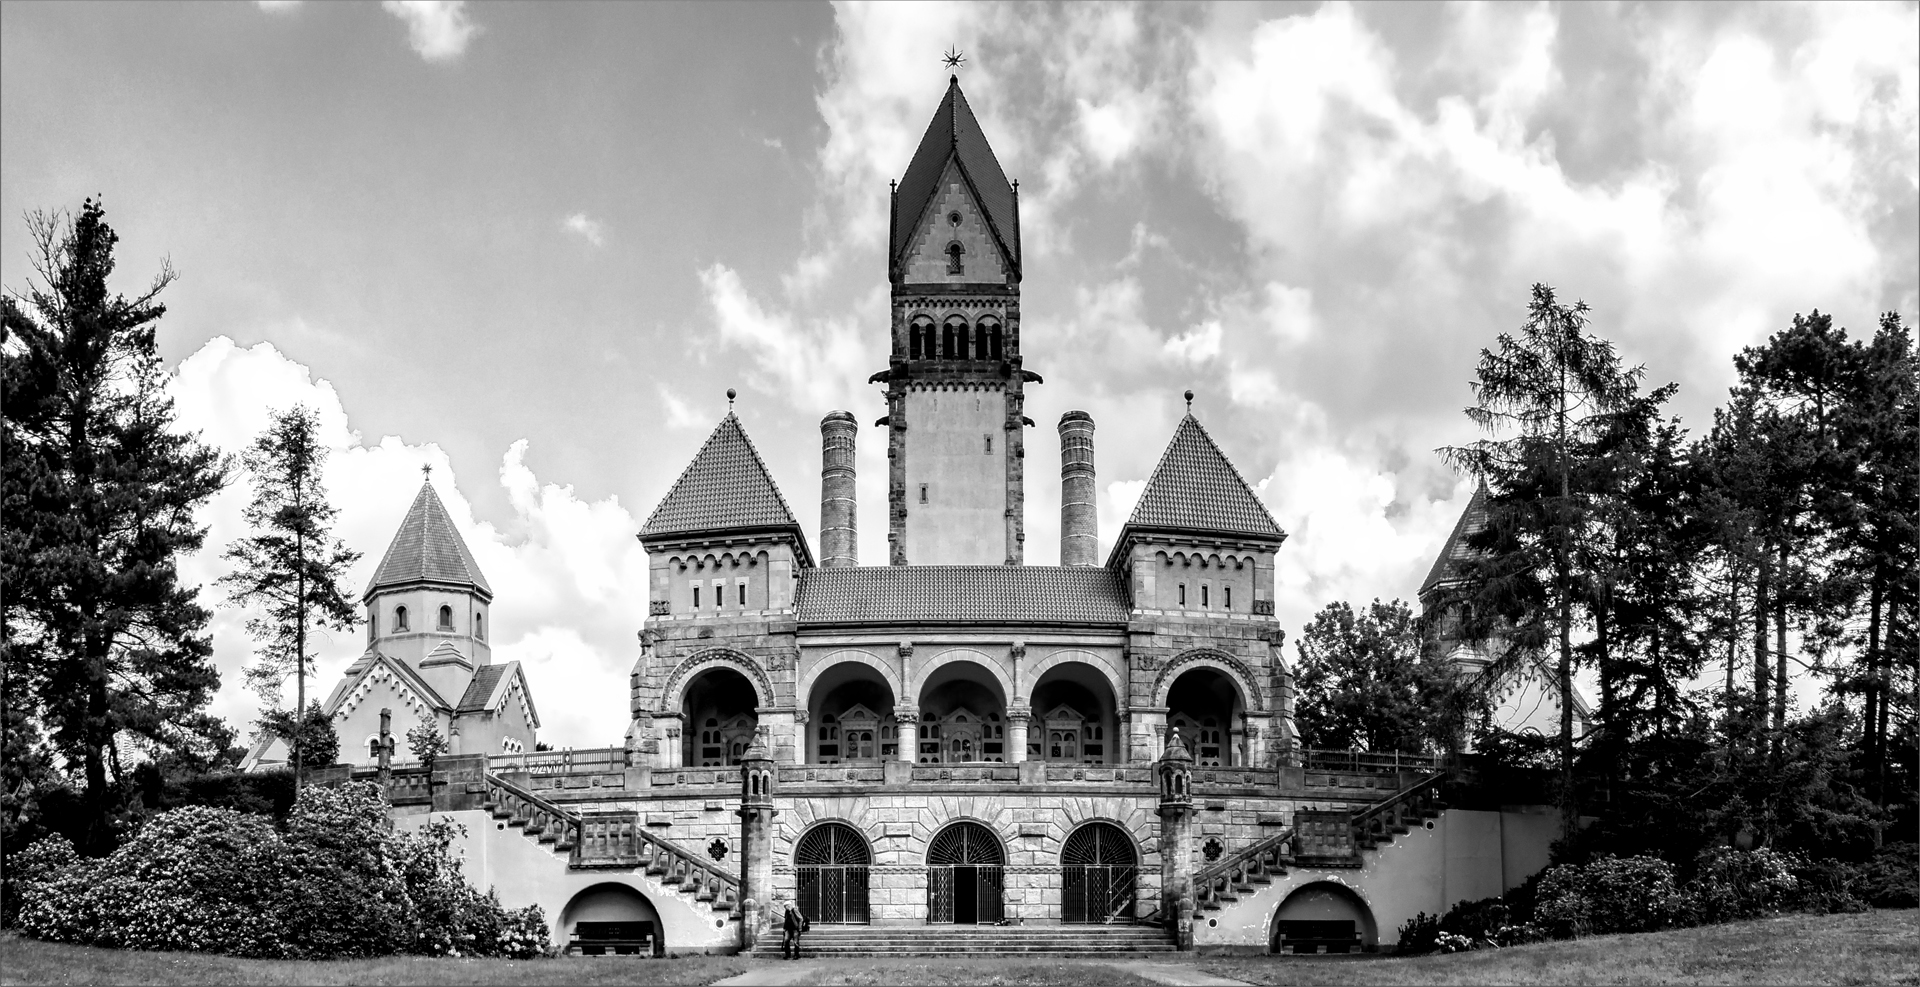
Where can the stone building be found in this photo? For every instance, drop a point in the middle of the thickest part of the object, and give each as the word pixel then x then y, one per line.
pixel 1101 752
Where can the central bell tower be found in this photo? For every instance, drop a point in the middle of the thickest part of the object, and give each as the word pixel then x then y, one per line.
pixel 955 384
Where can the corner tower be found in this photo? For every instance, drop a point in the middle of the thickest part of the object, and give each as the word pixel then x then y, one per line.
pixel 955 384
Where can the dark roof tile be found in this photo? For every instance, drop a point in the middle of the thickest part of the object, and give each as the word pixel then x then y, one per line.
pixel 428 549
pixel 726 487
pixel 957 594
pixel 1195 488
pixel 1446 565
pixel 953 131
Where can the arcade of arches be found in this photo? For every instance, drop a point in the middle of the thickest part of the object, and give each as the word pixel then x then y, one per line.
pixel 1206 707
pixel 717 717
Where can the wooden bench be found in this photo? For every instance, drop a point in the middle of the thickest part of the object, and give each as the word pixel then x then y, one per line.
pixel 612 939
pixel 1318 936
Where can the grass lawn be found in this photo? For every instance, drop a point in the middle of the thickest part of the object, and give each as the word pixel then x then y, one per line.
pixel 1875 948
pixel 1880 947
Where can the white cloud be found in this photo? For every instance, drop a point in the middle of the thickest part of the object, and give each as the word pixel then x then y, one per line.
pixel 1196 345
pixel 588 228
pixel 680 414
pixel 569 579
pixel 814 362
pixel 275 5
pixel 438 30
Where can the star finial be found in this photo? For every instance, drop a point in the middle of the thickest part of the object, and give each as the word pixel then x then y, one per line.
pixel 426 472
pixel 954 58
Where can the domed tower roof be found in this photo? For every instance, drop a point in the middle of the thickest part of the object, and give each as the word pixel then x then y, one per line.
pixel 427 549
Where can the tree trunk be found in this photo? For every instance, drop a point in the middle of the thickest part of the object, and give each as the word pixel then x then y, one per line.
pixel 1762 595
pixel 99 731
pixel 299 660
pixel 1570 809
pixel 1780 656
pixel 1733 644
pixel 1872 739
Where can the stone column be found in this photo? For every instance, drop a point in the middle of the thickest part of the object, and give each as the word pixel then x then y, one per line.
pixel 1017 719
pixel 1079 518
pixel 385 761
pixel 1176 839
pixel 907 718
pixel 1147 725
pixel 839 542
pixel 756 840
pixel 668 727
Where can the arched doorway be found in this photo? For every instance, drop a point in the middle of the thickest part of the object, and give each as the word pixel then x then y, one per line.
pixel 830 865
pixel 1205 706
pixel 719 717
pixel 611 919
pixel 1323 917
pixel 966 875
pixel 1098 871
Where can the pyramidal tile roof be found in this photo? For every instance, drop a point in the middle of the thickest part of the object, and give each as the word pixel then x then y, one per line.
pixel 427 549
pixel 725 488
pixel 954 132
pixel 962 594
pixel 1196 489
pixel 1446 565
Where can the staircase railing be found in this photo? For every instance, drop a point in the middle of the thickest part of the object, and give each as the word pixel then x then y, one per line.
pixel 542 819
pixel 1372 824
pixel 676 866
pixel 1219 882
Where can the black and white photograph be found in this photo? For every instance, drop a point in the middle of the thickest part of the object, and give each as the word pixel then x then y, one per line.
pixel 1198 494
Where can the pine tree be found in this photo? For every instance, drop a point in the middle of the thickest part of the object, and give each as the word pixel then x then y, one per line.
pixel 1558 390
pixel 291 567
pixel 100 492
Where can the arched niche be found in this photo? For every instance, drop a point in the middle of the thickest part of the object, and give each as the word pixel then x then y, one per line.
pixel 1205 707
pixel 1076 717
pixel 611 919
pixel 850 714
pixel 718 717
pixel 673 695
pixel 1323 917
pixel 963 712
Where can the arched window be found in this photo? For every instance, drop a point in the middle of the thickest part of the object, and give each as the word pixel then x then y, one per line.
pixel 921 340
pixel 480 626
pixel 399 618
pixel 446 618
pixel 373 623
pixel 954 339
pixel 373 748
pixel 954 252
pixel 980 341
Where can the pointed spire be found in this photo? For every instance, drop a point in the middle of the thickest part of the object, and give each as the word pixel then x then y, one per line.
pixel 428 549
pixel 954 133
pixel 726 488
pixel 1195 488
pixel 1454 551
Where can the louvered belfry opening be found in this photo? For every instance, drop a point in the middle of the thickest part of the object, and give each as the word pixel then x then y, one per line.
pixel 1098 872
pixel 966 875
pixel 830 864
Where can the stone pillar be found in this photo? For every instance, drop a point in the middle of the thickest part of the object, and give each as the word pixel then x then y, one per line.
pixel 667 725
pixel 839 523
pixel 1175 771
pixel 1079 517
pixel 1146 728
pixel 385 760
pixel 756 840
pixel 907 719
pixel 1017 719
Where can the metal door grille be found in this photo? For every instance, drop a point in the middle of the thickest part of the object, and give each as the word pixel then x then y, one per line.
pixel 966 857
pixel 830 865
pixel 1098 873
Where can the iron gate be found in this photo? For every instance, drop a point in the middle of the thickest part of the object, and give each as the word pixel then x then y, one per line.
pixel 966 874
pixel 1097 874
pixel 830 865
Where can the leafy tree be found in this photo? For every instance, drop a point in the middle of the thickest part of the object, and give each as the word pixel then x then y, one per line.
pixel 312 741
pixel 1556 391
pixel 1364 683
pixel 426 742
pixel 100 492
pixel 291 567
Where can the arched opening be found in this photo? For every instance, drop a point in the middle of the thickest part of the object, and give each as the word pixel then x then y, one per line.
pixel 989 345
pixel 953 339
pixel 1099 868
pixel 1323 917
pixel 920 339
pixel 446 618
pixel 966 876
pixel 830 870
pixel 719 718
pixel 399 618
pixel 1075 719
pixel 1205 706
pixel 963 716
pixel 954 252
pixel 850 716
pixel 480 626
pixel 612 919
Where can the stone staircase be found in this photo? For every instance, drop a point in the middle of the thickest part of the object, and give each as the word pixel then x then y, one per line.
pixel 830 941
pixel 535 817
pixel 1226 880
pixel 1408 808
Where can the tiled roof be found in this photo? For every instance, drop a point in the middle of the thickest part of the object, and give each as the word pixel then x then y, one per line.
pixel 480 689
pixel 1446 565
pixel 1196 489
pixel 957 594
pixel 428 549
pixel 725 488
pixel 954 131
pixel 364 665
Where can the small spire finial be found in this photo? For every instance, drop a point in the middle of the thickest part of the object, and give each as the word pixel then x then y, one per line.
pixel 426 472
pixel 954 58
pixel 730 396
pixel 1189 400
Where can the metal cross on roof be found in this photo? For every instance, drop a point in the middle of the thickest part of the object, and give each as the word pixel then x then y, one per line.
pixel 954 58
pixel 426 471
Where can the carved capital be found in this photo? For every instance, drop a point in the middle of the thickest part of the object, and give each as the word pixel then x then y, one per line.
pixel 1018 650
pixel 906 714
pixel 906 649
pixel 1263 607
pixel 659 608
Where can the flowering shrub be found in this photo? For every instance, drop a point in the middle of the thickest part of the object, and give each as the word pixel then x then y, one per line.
pixel 1731 884
pixel 338 882
pixel 1448 942
pixel 1611 894
pixel 1420 934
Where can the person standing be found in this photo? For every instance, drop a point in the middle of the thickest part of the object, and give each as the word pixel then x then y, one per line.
pixel 793 924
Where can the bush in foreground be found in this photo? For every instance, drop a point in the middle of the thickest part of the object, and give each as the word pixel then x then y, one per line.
pixel 339 882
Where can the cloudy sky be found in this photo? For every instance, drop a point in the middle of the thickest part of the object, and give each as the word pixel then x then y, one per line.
pixel 534 245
